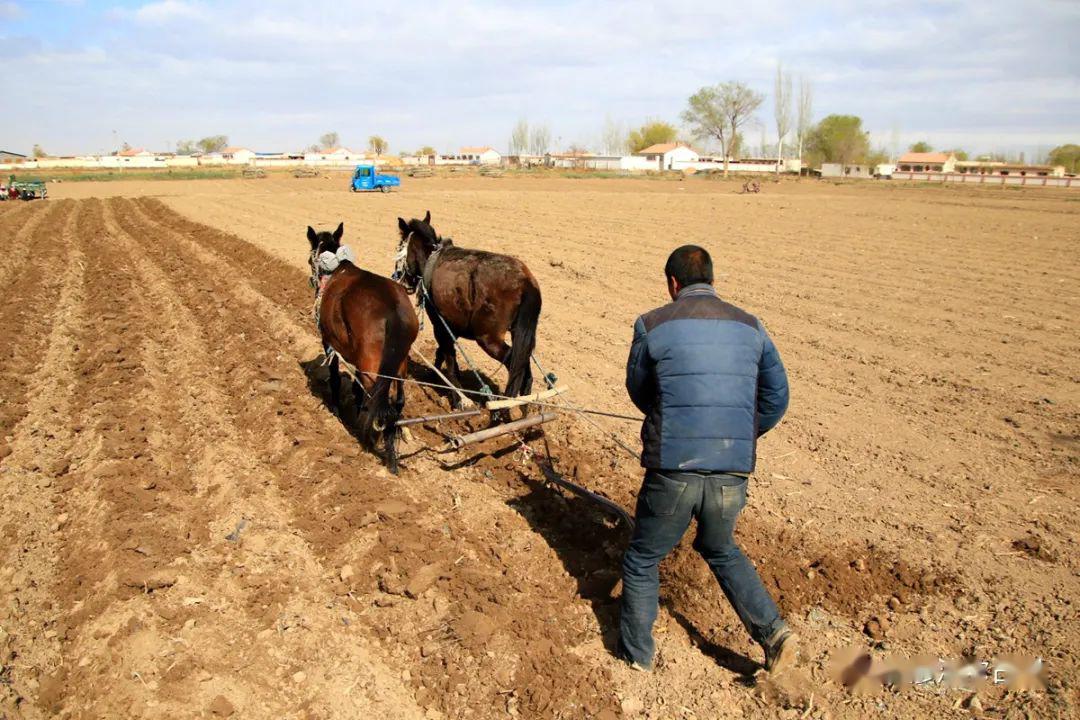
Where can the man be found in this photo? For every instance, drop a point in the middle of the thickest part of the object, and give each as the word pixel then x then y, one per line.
pixel 710 382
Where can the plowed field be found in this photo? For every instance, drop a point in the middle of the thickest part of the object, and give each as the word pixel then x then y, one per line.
pixel 187 531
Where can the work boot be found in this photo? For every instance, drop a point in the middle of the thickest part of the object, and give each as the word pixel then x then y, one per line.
pixel 623 654
pixel 781 650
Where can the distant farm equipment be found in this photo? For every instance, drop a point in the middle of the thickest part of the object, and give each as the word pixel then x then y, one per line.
pixel 23 190
pixel 366 178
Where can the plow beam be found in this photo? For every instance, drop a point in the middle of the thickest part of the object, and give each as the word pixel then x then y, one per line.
pixel 525 399
pixel 460 441
pixel 436 418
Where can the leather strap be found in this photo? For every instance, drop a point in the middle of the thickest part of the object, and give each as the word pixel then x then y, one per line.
pixel 429 269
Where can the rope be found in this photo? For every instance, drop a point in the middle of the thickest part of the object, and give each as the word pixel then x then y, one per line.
pixel 425 298
pixel 496 396
pixel 551 379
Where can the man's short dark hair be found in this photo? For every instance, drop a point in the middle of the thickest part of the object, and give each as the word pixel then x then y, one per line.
pixel 689 264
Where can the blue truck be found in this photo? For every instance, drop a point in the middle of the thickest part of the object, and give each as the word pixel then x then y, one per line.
pixel 367 179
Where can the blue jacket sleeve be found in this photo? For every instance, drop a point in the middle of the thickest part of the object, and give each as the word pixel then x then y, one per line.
pixel 772 394
pixel 640 383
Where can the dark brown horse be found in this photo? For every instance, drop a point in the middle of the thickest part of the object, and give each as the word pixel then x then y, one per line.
pixel 367 322
pixel 480 295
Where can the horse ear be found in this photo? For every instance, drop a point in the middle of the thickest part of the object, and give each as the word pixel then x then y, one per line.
pixel 312 237
pixel 339 232
pixel 403 226
pixel 427 217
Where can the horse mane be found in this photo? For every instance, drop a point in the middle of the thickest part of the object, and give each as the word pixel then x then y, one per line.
pixel 425 232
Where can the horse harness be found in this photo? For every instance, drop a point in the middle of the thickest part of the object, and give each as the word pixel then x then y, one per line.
pixel 323 267
pixel 424 296
pixel 429 268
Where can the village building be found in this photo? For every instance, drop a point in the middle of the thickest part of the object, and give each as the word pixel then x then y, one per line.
pixel 664 156
pixel 134 153
pixel 926 162
pixel 332 156
pixel 6 156
pixel 481 155
pixel 569 159
pixel 836 170
pixel 746 165
pixel 524 160
pixel 993 167
pixel 238 155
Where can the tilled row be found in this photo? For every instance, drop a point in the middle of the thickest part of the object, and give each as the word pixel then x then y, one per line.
pixel 421 580
pixel 206 535
pixel 844 580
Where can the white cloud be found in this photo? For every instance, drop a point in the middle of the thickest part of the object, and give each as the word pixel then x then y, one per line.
pixel 450 72
pixel 10 11
pixel 167 11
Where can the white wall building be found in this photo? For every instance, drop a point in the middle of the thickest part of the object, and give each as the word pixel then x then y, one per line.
pixel 238 155
pixel 333 156
pixel 664 156
pixel 482 155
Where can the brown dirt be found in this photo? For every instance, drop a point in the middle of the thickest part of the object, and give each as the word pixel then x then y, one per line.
pixel 187 531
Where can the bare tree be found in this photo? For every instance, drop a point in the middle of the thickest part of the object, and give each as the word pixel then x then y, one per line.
pixel 805 121
pixel 781 113
pixel 377 145
pixel 718 112
pixel 519 138
pixel 39 152
pixel 540 141
pixel 613 137
pixel 329 141
pixel 210 144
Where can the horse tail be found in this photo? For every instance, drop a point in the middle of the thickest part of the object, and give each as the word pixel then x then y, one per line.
pixel 382 414
pixel 523 340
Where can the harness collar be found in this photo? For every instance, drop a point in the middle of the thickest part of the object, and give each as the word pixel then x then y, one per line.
pixel 323 267
pixel 429 267
pixel 326 263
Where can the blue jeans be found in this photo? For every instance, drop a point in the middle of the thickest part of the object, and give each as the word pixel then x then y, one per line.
pixel 667 502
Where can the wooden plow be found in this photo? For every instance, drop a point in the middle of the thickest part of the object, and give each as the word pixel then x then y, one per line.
pixel 547 413
pixel 497 404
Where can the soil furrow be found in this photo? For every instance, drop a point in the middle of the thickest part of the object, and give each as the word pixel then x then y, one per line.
pixel 33 481
pixel 391 558
pixel 265 599
pixel 593 565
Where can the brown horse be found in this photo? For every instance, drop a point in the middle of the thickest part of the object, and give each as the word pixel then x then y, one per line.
pixel 480 295
pixel 367 322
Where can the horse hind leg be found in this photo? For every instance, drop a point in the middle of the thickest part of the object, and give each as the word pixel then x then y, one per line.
pixel 391 433
pixel 497 349
pixel 390 439
pixel 446 356
pixel 359 396
pixel 335 386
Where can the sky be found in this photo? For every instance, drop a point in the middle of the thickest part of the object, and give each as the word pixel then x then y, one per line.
pixel 83 77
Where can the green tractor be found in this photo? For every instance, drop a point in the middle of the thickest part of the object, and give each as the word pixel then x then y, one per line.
pixel 23 190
